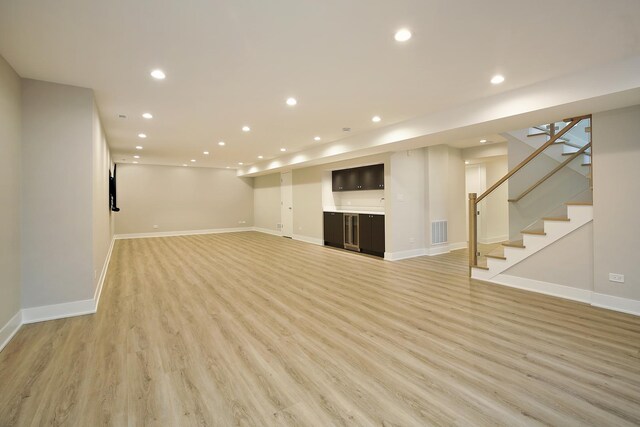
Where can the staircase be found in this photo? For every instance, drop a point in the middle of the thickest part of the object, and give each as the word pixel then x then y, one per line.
pixel 508 254
pixel 557 147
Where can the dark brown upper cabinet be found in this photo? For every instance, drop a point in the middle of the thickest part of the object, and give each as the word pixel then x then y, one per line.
pixel 355 179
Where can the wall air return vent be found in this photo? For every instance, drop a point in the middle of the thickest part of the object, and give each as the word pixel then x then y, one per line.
pixel 439 232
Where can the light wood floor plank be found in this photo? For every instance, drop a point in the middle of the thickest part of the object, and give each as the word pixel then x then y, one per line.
pixel 252 329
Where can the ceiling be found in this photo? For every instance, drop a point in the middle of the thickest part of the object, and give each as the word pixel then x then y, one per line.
pixel 231 63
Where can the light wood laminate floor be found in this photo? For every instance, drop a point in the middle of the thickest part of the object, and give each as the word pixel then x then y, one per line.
pixel 252 329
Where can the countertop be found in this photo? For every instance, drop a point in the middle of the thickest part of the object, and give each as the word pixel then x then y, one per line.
pixel 354 211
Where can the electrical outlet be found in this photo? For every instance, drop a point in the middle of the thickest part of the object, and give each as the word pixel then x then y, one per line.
pixel 156 226
pixel 616 277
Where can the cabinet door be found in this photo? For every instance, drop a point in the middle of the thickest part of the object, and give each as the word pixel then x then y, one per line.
pixel 338 179
pixel 377 233
pixel 333 228
pixel 367 178
pixel 327 227
pixel 352 179
pixel 338 229
pixel 378 176
pixel 365 221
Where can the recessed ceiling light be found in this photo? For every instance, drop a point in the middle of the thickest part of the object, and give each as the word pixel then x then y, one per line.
pixel 138 147
pixel 260 157
pixel 375 119
pixel 147 115
pixel 466 162
pixel 291 102
pixel 142 135
pixel 482 141
pixel 184 164
pixel 193 160
pixel 317 138
pixel 206 153
pixel 246 128
pixel 158 74
pixel 221 143
pixel 402 35
pixel 497 79
pixel 135 162
pixel 228 167
pixel 240 163
pixel 136 157
pixel 283 149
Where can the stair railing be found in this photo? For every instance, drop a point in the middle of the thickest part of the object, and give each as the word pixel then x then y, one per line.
pixel 474 199
pixel 550 174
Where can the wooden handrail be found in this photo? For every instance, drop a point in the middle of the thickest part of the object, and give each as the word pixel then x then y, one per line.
pixel 574 121
pixel 550 174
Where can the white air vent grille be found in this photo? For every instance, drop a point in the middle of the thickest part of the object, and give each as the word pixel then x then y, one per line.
pixel 438 232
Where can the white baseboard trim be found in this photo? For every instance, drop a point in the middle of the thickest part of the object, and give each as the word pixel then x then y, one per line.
pixel 181 233
pixel 103 274
pixel 553 289
pixel 445 248
pixel 411 253
pixel 10 328
pixel 58 311
pixel 312 240
pixel 267 231
pixel 492 240
pixel 624 305
pixel 432 251
pixel 300 237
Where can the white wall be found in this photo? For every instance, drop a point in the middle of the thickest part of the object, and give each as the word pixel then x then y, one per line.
pixel 181 199
pixel 493 221
pixel 57 180
pixel 407 202
pixel 307 203
pixel 445 191
pixel 103 226
pixel 266 202
pixel 566 262
pixel 616 226
pixel 10 135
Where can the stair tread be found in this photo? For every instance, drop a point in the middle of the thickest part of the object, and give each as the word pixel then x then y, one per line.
pixel 556 218
pixel 569 154
pixel 586 164
pixel 481 267
pixel 534 232
pixel 496 256
pixel 514 244
pixel 579 203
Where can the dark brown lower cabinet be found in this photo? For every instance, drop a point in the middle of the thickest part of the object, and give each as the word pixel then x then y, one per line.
pixel 372 234
pixel 333 229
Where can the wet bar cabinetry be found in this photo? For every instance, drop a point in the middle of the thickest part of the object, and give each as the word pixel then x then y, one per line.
pixel 358 179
